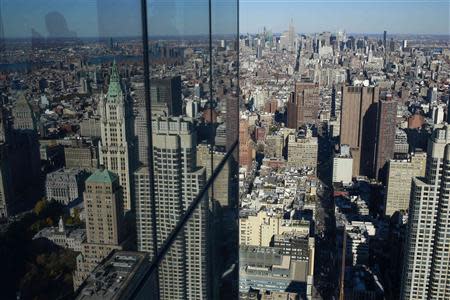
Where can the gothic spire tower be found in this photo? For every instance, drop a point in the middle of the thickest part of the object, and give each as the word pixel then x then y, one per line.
pixel 113 147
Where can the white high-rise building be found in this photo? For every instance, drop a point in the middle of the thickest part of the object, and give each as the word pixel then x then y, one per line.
pixel 183 274
pixel 114 148
pixel 427 261
pixel 342 166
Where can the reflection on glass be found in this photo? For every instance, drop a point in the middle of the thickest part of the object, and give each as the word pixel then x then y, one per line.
pixel 99 164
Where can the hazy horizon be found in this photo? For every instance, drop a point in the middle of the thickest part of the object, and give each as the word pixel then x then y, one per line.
pixel 109 18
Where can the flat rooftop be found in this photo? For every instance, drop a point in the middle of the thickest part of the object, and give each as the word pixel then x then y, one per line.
pixel 111 278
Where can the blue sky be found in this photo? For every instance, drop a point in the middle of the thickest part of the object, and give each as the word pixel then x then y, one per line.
pixel 359 16
pixel 184 17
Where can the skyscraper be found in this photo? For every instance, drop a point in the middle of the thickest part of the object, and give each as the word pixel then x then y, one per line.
pixel 333 102
pixel 165 96
pixel 304 105
pixel 386 128
pixel 115 129
pixel 22 114
pixel 358 130
pixel 291 37
pixel 221 184
pixel 385 40
pixel 183 273
pixel 140 124
pixel 6 199
pixel 426 266
pixel 399 179
pixel 104 222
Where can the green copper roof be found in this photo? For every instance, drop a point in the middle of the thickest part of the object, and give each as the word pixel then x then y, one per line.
pixel 22 101
pixel 102 176
pixel 114 88
pixel 114 73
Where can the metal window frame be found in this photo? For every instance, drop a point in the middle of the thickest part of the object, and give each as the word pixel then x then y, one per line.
pixel 160 253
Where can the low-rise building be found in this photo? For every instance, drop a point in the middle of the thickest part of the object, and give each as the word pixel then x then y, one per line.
pixel 358 236
pixel 266 268
pixel 274 146
pixel 302 151
pixel 83 156
pixel 118 277
pixel 65 185
pixel 259 229
pixel 63 237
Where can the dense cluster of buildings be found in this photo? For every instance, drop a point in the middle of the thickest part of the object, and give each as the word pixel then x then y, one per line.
pixel 342 150
pixel 377 106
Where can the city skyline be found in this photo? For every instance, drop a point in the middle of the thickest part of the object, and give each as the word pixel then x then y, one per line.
pixel 206 164
pixel 84 18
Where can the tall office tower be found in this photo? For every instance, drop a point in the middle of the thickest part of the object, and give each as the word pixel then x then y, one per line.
pixel 392 45
pixel 184 272
pixel 358 116
pixel 385 40
pixel 232 123
pixel 386 128
pixel 22 114
pixel 221 184
pixel 113 147
pixel 399 178
pixel 448 106
pixel 291 37
pixel 245 144
pixel 304 105
pixel 426 266
pixel 140 123
pixel 104 222
pixel 165 96
pixel 405 44
pixel 333 102
pixel 6 195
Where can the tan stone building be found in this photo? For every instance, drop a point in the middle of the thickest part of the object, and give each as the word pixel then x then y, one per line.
pixel 103 202
pixel 399 179
pixel 221 186
pixel 302 151
pixel 81 157
pixel 274 146
pixel 259 229
pixel 114 149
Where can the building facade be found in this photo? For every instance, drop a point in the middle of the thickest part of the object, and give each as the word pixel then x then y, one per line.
pixel 304 105
pixel 114 148
pixel 165 96
pixel 426 266
pixel 221 184
pixel 399 179
pixel 22 114
pixel 358 116
pixel 65 185
pixel 302 151
pixel 258 229
pixel 386 129
pixel 103 201
pixel 178 179
pixel 83 156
